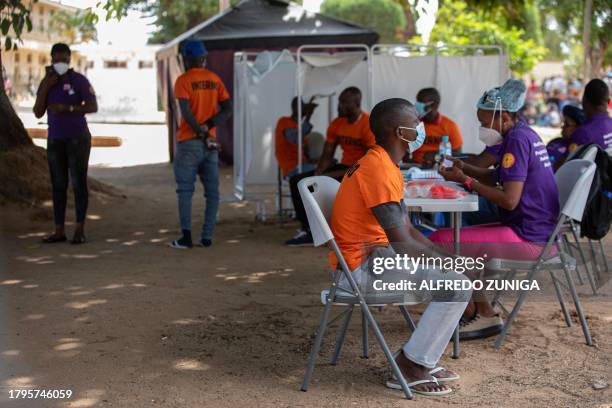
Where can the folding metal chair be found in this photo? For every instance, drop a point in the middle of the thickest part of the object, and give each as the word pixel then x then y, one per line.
pixel 318 194
pixel 570 227
pixel 574 180
pixel 283 196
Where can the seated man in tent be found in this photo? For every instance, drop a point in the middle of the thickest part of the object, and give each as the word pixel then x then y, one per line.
pixel 286 139
pixel 437 125
pixel 351 131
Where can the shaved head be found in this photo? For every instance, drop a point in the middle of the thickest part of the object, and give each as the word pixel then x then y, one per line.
pixel 388 115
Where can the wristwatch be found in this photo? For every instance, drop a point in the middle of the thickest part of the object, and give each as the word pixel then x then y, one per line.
pixel 468 183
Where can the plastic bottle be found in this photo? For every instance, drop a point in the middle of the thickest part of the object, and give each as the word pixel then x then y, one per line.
pixel 445 148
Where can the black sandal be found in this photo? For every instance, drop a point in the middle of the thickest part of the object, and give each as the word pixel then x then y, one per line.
pixel 78 240
pixel 53 238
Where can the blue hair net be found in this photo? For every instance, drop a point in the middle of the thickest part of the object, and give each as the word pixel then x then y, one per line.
pixel 510 97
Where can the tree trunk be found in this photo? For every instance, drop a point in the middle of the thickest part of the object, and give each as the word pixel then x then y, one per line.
pixel 12 131
pixel 597 56
pixel 586 40
pixel 410 30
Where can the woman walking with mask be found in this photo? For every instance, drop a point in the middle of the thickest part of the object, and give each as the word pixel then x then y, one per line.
pixel 66 96
pixel 522 186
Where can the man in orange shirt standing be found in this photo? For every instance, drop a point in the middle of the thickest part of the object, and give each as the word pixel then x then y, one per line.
pixel 286 139
pixel 436 126
pixel 351 131
pixel 200 92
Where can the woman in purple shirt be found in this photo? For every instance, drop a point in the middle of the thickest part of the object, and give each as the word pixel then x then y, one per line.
pixel 66 96
pixel 558 149
pixel 528 199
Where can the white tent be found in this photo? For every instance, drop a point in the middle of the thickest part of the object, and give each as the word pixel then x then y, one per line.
pixel 264 85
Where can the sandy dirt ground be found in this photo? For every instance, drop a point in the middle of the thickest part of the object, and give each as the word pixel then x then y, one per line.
pixel 125 321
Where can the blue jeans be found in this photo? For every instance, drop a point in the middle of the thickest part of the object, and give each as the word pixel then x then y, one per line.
pixel 193 158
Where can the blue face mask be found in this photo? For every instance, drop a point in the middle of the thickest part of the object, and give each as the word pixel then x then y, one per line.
pixel 414 145
pixel 421 108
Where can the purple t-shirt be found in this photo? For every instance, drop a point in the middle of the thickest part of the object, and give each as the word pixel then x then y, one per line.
pixel 558 149
pixel 597 129
pixel 71 89
pixel 494 150
pixel 524 158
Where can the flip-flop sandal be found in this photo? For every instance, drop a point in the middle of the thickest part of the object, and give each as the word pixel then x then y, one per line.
pixel 439 379
pixel 52 239
pixel 396 386
pixel 78 240
pixel 443 379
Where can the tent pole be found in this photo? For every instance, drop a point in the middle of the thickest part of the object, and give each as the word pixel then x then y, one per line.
pixel 299 108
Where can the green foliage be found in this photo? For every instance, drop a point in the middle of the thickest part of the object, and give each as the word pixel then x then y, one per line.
pixel 564 25
pixel 458 24
pixel 173 17
pixel 79 26
pixel 386 17
pixel 16 15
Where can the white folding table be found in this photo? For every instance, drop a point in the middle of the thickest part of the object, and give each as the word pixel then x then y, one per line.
pixel 454 206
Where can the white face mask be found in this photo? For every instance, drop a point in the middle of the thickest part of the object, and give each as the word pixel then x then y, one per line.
pixel 414 145
pixel 61 68
pixel 489 136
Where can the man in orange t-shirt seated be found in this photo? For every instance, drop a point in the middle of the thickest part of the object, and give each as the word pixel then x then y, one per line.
pixel 351 131
pixel 200 93
pixel 436 126
pixel 372 228
pixel 286 139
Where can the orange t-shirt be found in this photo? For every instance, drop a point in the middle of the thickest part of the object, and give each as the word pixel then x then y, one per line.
pixel 372 181
pixel 442 126
pixel 285 151
pixel 354 138
pixel 204 90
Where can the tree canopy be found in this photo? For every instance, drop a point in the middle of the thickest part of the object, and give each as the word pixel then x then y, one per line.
pixel 384 16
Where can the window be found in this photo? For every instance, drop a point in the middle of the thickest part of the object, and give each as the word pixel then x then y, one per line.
pixel 115 64
pixel 90 64
pixel 29 58
pixel 17 57
pixel 41 25
pixel 145 64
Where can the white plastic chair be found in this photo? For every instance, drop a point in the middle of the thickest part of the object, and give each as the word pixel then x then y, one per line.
pixel 574 180
pixel 318 194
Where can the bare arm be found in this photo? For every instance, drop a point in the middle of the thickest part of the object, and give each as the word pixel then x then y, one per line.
pixel 189 117
pixel 327 158
pixel 506 197
pixel 483 160
pixel 224 113
pixel 403 236
pixel 40 105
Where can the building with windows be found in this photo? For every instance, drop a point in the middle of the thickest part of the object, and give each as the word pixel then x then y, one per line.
pixel 25 67
pixel 125 80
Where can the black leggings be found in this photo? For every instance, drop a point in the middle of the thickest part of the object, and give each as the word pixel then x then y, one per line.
pixel 298 205
pixel 69 156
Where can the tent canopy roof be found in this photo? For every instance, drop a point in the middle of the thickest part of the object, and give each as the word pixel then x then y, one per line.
pixel 270 24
